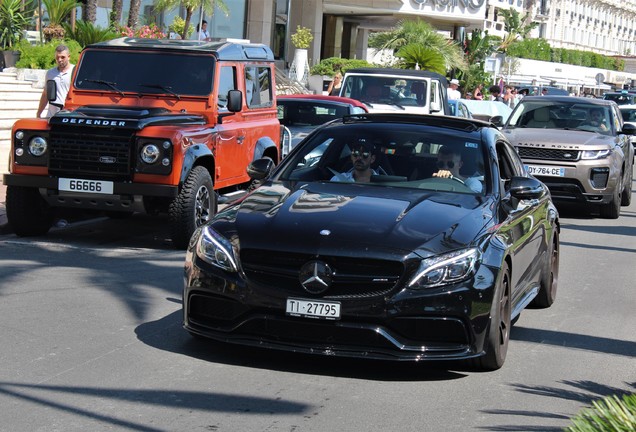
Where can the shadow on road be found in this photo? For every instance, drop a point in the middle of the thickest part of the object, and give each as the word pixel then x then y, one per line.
pixel 167 334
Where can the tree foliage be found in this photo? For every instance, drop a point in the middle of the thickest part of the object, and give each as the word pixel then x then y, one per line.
pixel 15 15
pixel 419 32
pixel 516 27
pixel 416 56
pixel 191 6
pixel 331 65
pixel 87 33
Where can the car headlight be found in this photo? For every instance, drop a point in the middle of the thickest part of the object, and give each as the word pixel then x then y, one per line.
pixel 445 269
pixel 594 154
pixel 150 153
pixel 216 250
pixel 37 146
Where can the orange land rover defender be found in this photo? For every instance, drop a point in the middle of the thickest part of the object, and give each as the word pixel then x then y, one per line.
pixel 149 126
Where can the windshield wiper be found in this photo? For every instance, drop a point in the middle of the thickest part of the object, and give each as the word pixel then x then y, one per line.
pixel 112 85
pixel 167 89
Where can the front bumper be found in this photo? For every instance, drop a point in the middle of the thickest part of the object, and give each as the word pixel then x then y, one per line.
pixel 437 324
pixel 126 196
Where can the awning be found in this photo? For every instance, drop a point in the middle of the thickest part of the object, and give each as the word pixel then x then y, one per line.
pixel 565 82
pixel 525 79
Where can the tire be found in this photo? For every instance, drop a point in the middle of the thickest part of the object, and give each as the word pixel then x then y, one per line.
pixel 194 206
pixel 549 277
pixel 496 343
pixel 27 212
pixel 612 210
pixel 626 196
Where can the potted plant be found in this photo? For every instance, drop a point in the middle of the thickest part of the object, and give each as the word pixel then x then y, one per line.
pixel 301 39
pixel 14 17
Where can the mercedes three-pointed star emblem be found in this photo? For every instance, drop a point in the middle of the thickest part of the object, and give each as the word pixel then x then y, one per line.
pixel 315 276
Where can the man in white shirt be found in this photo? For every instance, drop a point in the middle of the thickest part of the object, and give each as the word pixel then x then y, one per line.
pixel 61 74
pixel 452 91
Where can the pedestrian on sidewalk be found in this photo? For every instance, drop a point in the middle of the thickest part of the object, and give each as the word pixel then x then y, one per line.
pixel 61 74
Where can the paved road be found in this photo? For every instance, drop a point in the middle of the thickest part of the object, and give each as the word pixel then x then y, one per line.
pixel 92 341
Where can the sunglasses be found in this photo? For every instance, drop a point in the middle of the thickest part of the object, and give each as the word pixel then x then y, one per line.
pixel 444 164
pixel 358 153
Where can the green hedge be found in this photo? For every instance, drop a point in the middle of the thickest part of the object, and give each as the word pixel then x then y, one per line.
pixel 331 65
pixel 43 56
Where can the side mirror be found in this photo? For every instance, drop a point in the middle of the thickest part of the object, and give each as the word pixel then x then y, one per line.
pixel 260 168
pixel 435 107
pixel 497 120
pixel 629 129
pixel 526 188
pixel 51 90
pixel 234 100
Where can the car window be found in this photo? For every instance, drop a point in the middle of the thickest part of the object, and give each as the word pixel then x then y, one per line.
pixel 309 113
pixel 404 156
pixel 629 114
pixel 574 115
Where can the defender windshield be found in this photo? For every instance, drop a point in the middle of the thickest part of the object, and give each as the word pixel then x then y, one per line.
pixel 400 155
pixel 146 72
pixel 575 115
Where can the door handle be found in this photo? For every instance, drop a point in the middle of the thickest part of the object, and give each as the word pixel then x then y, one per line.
pixel 240 139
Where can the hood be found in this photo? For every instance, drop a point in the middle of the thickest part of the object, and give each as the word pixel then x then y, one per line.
pixel 135 118
pixel 321 218
pixel 553 137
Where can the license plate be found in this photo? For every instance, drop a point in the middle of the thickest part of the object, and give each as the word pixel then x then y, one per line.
pixel 551 171
pixel 85 186
pixel 313 309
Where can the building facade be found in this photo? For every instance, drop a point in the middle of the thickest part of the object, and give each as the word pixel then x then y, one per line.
pixel 341 28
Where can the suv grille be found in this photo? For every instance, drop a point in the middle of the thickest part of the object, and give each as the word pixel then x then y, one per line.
pixel 352 278
pixel 89 154
pixel 549 154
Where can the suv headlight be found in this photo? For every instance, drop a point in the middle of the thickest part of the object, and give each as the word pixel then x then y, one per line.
pixel 594 154
pixel 445 269
pixel 216 250
pixel 37 146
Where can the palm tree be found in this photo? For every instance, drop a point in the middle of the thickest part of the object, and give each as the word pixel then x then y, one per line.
pixel 516 26
pixel 419 32
pixel 89 11
pixel 133 13
pixel 115 14
pixel 190 7
pixel 58 12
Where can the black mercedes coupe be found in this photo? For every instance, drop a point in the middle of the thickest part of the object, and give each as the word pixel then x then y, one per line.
pixel 381 236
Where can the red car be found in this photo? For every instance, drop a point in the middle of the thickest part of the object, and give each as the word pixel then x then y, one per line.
pixel 302 113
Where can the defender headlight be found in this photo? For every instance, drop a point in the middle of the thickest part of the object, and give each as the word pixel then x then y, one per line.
pixel 445 269
pixel 594 154
pixel 150 154
pixel 216 250
pixel 37 146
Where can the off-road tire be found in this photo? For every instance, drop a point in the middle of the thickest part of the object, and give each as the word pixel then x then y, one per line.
pixel 194 206
pixel 27 212
pixel 549 277
pixel 498 337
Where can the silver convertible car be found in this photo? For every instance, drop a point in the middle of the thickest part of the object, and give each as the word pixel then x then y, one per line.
pixel 383 236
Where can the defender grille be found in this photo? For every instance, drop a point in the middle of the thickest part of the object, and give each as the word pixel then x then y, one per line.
pixel 352 278
pixel 105 155
pixel 549 154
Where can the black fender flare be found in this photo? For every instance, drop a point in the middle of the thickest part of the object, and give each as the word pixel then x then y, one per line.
pixel 265 146
pixel 196 155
